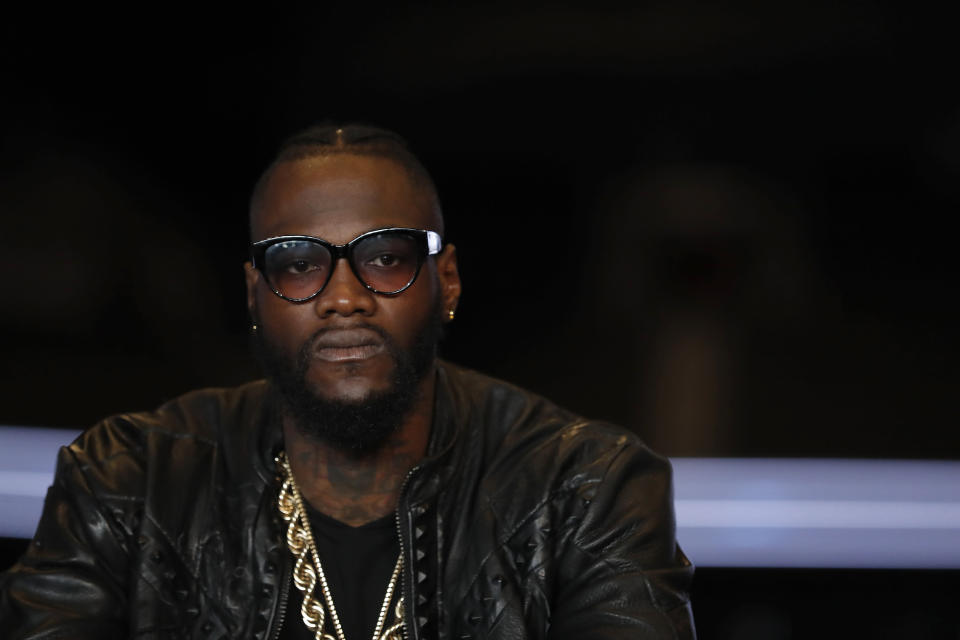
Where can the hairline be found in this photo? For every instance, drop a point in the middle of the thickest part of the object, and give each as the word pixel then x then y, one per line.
pixel 419 180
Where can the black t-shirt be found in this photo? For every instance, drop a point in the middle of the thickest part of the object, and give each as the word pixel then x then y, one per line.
pixel 358 563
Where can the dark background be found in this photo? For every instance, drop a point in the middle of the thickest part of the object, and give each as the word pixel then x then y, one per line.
pixel 727 227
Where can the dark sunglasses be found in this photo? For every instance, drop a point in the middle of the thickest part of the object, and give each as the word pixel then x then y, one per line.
pixel 385 261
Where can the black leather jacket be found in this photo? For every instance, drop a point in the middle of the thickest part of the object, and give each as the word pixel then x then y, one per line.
pixel 524 521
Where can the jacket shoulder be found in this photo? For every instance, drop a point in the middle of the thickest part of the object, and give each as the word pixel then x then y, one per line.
pixel 514 419
pixel 116 449
pixel 196 414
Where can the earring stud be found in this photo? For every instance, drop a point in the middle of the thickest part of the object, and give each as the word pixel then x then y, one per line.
pixel 450 314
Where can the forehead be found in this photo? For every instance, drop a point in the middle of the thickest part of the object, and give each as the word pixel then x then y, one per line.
pixel 338 197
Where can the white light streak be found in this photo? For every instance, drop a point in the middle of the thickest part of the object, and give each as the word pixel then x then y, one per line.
pixel 25 484
pixel 817 514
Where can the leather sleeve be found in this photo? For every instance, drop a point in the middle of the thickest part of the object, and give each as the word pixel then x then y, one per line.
pixel 71 582
pixel 622 573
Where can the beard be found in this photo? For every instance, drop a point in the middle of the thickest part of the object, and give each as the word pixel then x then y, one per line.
pixel 356 426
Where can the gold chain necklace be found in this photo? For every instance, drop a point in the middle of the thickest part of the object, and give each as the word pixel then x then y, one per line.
pixel 307 572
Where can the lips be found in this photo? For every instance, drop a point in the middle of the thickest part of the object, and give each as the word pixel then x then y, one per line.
pixel 346 345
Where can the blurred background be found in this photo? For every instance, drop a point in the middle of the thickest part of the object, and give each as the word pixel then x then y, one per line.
pixel 726 227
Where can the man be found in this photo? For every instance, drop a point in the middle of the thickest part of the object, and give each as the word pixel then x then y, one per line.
pixel 366 489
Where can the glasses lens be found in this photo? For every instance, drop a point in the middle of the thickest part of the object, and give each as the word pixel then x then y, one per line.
pixel 297 268
pixel 389 261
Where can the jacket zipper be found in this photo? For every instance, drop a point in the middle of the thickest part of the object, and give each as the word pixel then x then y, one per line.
pixel 287 572
pixel 284 596
pixel 407 570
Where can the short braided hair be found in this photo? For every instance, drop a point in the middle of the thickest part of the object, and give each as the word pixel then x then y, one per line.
pixel 329 139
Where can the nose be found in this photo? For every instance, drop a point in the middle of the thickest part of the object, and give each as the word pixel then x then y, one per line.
pixel 344 294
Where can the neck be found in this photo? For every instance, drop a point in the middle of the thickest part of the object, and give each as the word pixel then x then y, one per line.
pixel 360 488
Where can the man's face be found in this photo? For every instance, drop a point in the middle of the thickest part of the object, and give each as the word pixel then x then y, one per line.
pixel 346 341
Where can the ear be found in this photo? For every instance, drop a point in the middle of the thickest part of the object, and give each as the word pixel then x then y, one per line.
pixel 449 278
pixel 251 275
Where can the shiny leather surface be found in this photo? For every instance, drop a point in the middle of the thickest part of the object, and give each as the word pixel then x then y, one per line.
pixel 525 521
